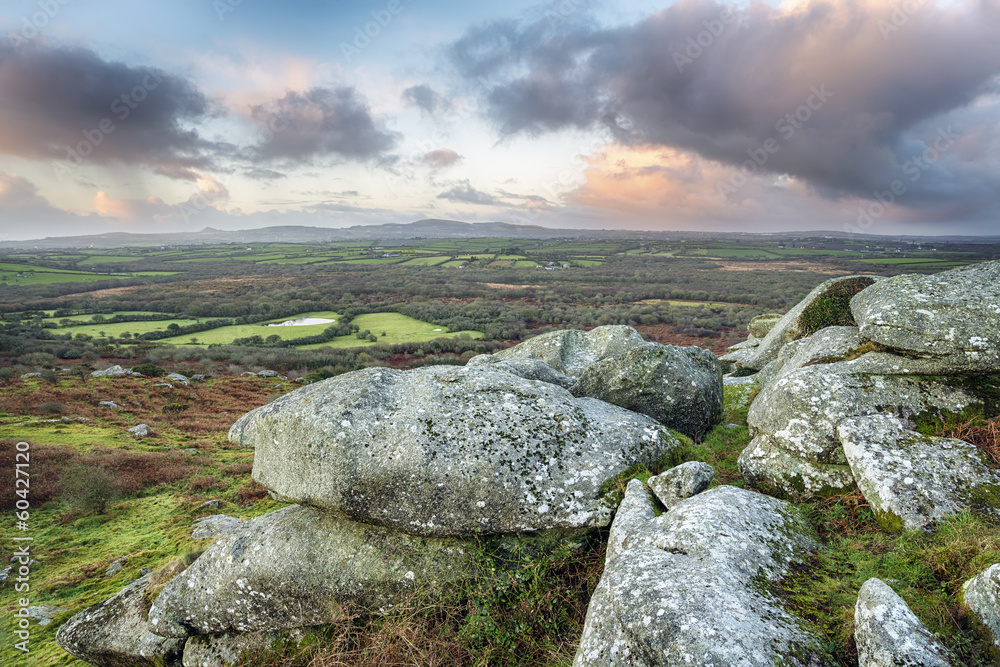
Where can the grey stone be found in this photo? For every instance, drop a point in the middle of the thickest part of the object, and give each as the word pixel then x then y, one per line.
pixel 752 341
pixel 268 374
pixel 791 327
pixel 635 509
pixel 912 481
pixel 684 591
pixel 111 405
pixel 164 384
pixel 680 387
pixel 572 351
pixel 5 574
pixel 214 504
pixel 230 649
pixel 113 569
pixel 888 634
pixel 954 314
pixel 43 614
pixel 28 376
pixel 178 378
pixel 114 371
pixel 211 527
pixel 741 357
pixel 144 571
pixel 114 633
pixel 448 450
pixel 197 377
pixel 981 597
pixel 680 482
pixel 761 325
pixel 823 347
pixel 529 369
pixel 793 420
pixel 140 431
pixel 300 566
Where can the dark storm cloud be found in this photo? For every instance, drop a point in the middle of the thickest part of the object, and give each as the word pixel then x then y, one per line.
pixel 848 96
pixel 463 192
pixel 321 122
pixel 69 105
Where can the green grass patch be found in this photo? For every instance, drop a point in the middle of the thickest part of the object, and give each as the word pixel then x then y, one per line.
pixel 226 335
pixel 398 329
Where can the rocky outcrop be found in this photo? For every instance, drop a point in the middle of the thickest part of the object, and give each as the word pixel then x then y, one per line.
pixel 680 387
pixel 116 633
pixel 953 316
pixel 823 347
pixel 795 448
pixel 888 634
pixel 114 371
pixel 682 588
pixel 445 451
pixel 981 598
pixel 827 305
pixel 912 481
pixel 761 325
pixel 298 567
pixel 572 351
pixel 140 431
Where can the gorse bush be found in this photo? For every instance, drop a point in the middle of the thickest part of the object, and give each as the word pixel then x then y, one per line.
pixel 88 488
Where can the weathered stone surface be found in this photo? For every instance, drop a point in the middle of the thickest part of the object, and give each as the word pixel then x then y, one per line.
pixel 680 482
pixel 888 634
pixel 752 341
pixel 140 431
pixel 572 351
pixel 447 450
pixel 761 325
pixel 43 614
pixel 794 418
pixel 912 481
pixel 114 371
pixel 953 314
pixel 298 567
pixel 772 468
pixel 214 526
pixel 178 379
pixel 115 633
pixel 680 387
pixel 823 347
pixel 741 357
pixel 111 405
pixel 529 369
pixel 635 509
pixel 228 650
pixel 791 326
pixel 981 597
pixel 682 591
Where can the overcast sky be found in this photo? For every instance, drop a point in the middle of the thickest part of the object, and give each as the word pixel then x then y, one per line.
pixel 171 115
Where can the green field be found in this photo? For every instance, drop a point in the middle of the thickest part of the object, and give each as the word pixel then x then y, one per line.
pixel 398 329
pixel 427 261
pixel 226 335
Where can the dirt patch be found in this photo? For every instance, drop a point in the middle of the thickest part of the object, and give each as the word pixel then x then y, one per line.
pixel 813 267
pixel 111 291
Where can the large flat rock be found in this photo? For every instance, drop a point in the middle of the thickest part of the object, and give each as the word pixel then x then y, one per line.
pixel 571 351
pixel 446 451
pixel 912 481
pixel 954 315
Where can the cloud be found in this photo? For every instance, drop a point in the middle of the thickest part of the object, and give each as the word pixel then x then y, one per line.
pixel 424 97
pixel 320 122
pixel 855 94
pixel 443 157
pixel 70 105
pixel 464 193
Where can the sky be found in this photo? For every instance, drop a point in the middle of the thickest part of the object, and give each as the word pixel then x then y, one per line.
pixel 143 116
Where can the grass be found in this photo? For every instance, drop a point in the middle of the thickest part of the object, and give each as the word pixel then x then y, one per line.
pixel 117 329
pixel 398 329
pixel 226 335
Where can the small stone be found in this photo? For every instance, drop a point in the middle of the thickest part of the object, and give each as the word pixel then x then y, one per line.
pixel 114 569
pixel 981 597
pixel 889 634
pixel 680 482
pixel 44 614
pixel 111 405
pixel 140 431
pixel 214 504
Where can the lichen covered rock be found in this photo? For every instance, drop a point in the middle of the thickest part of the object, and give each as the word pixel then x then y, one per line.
pixel 912 481
pixel 981 597
pixel 683 589
pixel 115 633
pixel 446 451
pixel 529 369
pixel 680 387
pixel 888 634
pixel 681 482
pixel 954 314
pixel 572 351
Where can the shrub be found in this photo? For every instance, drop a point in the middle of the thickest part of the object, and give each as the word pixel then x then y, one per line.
pixel 175 408
pixel 88 488
pixel 50 376
pixel 150 370
pixel 51 408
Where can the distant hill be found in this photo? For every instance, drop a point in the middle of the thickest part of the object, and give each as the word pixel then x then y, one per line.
pixel 414 230
pixel 303 234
